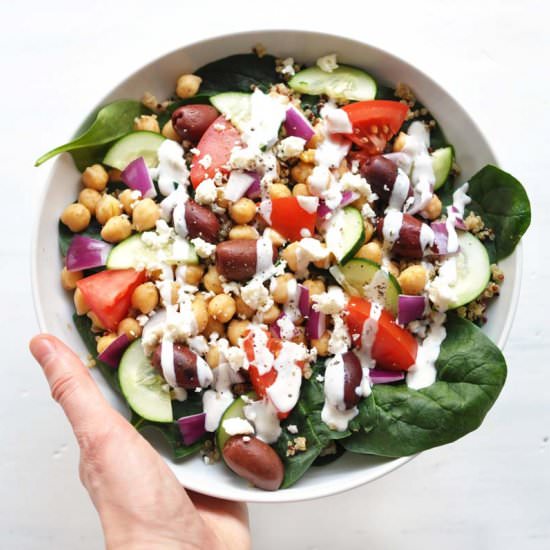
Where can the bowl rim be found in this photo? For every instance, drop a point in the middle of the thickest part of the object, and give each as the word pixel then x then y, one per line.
pixel 322 489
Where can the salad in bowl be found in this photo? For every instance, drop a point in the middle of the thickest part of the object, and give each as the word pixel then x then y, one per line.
pixel 277 265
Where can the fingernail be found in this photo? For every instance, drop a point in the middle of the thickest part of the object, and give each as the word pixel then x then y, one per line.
pixel 41 347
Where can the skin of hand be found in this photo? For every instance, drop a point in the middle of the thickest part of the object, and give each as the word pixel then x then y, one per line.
pixel 140 502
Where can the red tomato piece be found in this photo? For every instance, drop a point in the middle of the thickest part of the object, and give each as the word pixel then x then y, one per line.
pixel 109 293
pixel 375 122
pixel 289 218
pixel 394 347
pixel 218 141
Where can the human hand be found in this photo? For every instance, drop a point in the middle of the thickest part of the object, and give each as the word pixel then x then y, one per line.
pixel 140 502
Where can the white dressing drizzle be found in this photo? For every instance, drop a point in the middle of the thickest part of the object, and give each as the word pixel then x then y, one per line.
pixel 392 226
pixel 171 169
pixel 264 255
pixel 264 417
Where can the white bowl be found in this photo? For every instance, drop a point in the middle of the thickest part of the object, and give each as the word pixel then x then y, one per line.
pixel 54 306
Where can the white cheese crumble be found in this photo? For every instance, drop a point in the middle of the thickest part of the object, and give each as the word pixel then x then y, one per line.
pixel 288 66
pixel 339 341
pixel 206 161
pixel 236 358
pixel 330 302
pixel 256 296
pixel 292 428
pixel 237 426
pixel 327 63
pixel 290 147
pixel 206 192
pixel 202 248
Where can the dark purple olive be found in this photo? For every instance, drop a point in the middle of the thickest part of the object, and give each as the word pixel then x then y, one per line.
pixel 185 366
pixel 381 174
pixel 408 244
pixel 236 259
pixel 191 121
pixel 201 222
pixel 353 374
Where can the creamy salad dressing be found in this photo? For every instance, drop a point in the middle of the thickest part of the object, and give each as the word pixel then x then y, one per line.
pixel 172 169
pixel 263 415
pixel 284 392
pixel 264 255
pixel 399 192
pixel 392 226
pixel 456 212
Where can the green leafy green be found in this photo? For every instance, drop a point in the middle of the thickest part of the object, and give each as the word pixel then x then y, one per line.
pixel 504 206
pixel 238 73
pixel 399 421
pixel 111 122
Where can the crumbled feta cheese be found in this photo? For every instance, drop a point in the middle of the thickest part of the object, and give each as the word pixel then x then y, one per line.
pixel 245 158
pixel 327 63
pixel 288 66
pixel 320 378
pixel 354 182
pixel 198 344
pixel 230 287
pixel 309 204
pixel 292 428
pixel 206 161
pixel 219 126
pixel 330 302
pixel 237 426
pixel 319 180
pixel 206 192
pixel 159 238
pixel 286 327
pixel 290 147
pixel 236 357
pixel 180 394
pixel 305 232
pixel 367 212
pixel 194 151
pixel 339 341
pixel 310 250
pixel 142 319
pixel 256 296
pixel 202 248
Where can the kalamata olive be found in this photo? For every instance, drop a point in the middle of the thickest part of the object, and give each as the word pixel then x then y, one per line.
pixel 353 374
pixel 236 259
pixel 381 174
pixel 409 243
pixel 185 366
pixel 191 121
pixel 201 222
pixel 255 461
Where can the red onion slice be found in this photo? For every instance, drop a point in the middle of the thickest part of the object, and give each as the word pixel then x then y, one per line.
pixel 316 324
pixel 459 222
pixel 303 300
pixel 254 191
pixel 238 184
pixel 86 253
pixel 381 376
pixel 136 176
pixel 441 238
pixel 348 197
pixel 275 327
pixel 323 211
pixel 192 427
pixel 296 124
pixel 112 354
pixel 410 308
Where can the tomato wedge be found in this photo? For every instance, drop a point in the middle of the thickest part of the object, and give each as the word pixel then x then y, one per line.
pixel 291 220
pixel 394 348
pixel 109 293
pixel 217 142
pixel 375 122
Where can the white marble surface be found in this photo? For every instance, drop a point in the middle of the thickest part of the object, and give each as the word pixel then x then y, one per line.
pixel 489 490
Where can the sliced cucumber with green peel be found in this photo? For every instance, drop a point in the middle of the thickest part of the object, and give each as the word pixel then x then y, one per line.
pixel 143 387
pixel 235 410
pixel 134 253
pixel 359 272
pixel 442 163
pixel 345 233
pixel 344 82
pixel 235 106
pixel 473 270
pixel 132 146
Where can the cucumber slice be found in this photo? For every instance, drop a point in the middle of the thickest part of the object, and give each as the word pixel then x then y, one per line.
pixel 133 252
pixel 235 410
pixel 132 146
pixel 359 272
pixel 473 269
pixel 345 233
pixel 235 106
pixel 442 162
pixel 345 82
pixel 143 387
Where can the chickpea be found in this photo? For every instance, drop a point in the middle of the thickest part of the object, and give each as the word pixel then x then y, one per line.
pixel 107 208
pixel 95 177
pixel 89 198
pixel 97 326
pixel 315 287
pixel 279 191
pixel 433 208
pixel 222 308
pixel 174 293
pixel 321 344
pixel 169 132
pixel 193 274
pixel 80 304
pixel 116 229
pixel 148 123
pixel 359 203
pixel 369 230
pixel 213 356
pixel 244 311
pixel 211 281
pixel 301 172
pixel 317 137
pixel 76 217
pixel 69 278
pixel 280 288
pixel 145 297
pixel 213 326
pixel 275 237
pixel 242 211
pixel 308 156
pixel 146 214
pixel 271 315
pixel 130 327
pixel 393 268
pixel 103 342
pixel 128 198
pixel 371 251
pixel 200 312
pixel 188 85
pixel 289 255
pixel 324 264
pixel 300 190
pixel 413 279
pixel 243 232
pixel 236 329
pixel 115 175
pixel 400 141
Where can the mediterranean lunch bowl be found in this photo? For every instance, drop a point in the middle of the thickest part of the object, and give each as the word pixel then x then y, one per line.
pixel 277 260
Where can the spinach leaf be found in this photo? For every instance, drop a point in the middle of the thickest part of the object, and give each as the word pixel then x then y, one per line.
pixel 470 374
pixel 504 206
pixel 238 73
pixel 111 122
pixel 65 235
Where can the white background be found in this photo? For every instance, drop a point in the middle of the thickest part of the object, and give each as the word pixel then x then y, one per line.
pixel 489 490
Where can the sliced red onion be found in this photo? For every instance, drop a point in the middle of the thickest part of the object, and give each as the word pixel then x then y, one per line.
pixel 113 352
pixel 254 191
pixel 303 299
pixel 348 197
pixel 459 222
pixel 381 376
pixel 296 124
pixel 136 176
pixel 410 308
pixel 323 211
pixel 441 237
pixel 316 324
pixel 85 253
pixel 237 185
pixel 192 427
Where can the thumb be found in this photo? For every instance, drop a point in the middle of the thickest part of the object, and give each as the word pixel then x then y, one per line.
pixel 71 384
